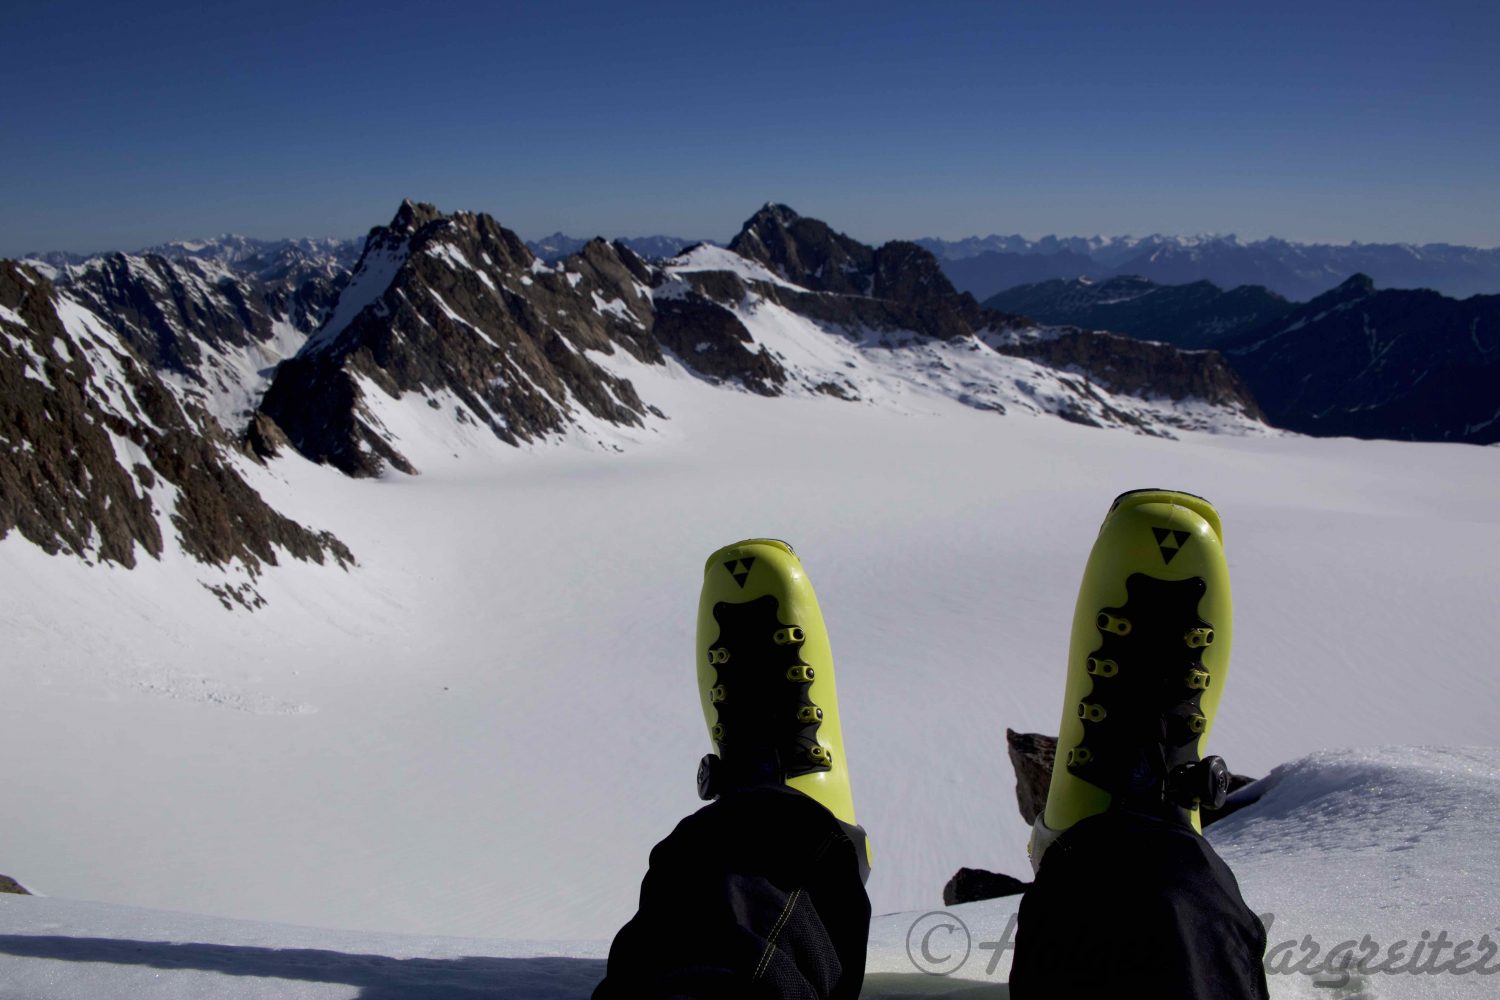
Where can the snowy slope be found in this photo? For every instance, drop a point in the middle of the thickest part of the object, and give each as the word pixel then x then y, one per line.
pixel 511 661
pixel 212 332
pixel 101 460
pixel 902 371
pixel 1374 847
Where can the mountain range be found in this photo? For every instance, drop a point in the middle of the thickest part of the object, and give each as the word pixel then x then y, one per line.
pixel 1394 363
pixel 102 455
pixel 142 389
pixel 456 312
pixel 1195 315
pixel 1408 364
pixel 988 265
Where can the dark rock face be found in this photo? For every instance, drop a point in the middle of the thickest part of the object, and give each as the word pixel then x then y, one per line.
pixel 843 282
pixel 88 431
pixel 712 341
pixel 8 884
pixel 1192 316
pixel 1139 367
pixel 557 246
pixel 214 328
pixel 970 885
pixel 805 251
pixel 167 312
pixel 305 303
pixel 908 290
pixel 905 279
pixel 904 272
pixel 1409 365
pixel 1031 756
pixel 459 305
pixel 909 275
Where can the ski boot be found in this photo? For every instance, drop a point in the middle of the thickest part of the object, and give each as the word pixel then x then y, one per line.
pixel 765 675
pixel 1146 667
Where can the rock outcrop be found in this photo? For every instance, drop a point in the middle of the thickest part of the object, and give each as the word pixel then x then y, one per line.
pixel 213 331
pixel 100 457
pixel 1131 367
pixel 457 310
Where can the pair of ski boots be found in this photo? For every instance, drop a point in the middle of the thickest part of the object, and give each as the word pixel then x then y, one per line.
pixel 1146 667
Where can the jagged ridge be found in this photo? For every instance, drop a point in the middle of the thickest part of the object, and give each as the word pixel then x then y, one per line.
pixel 457 310
pixel 99 452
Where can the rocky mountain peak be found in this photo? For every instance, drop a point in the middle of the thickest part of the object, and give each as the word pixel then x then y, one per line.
pixel 805 251
pixel 458 312
pixel 775 211
pixel 100 456
pixel 906 272
pixel 413 215
pixel 1358 285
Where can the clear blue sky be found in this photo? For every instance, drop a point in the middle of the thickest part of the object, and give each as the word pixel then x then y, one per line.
pixel 127 124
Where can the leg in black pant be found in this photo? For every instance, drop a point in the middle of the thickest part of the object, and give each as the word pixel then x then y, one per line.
pixel 758 894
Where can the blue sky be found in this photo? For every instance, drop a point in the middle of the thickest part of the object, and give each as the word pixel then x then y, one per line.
pixel 124 125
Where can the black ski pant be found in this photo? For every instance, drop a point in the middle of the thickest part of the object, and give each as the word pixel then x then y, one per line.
pixel 757 894
pixel 1131 903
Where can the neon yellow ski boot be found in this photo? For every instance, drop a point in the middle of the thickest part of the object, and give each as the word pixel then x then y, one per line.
pixel 765 674
pixel 1146 666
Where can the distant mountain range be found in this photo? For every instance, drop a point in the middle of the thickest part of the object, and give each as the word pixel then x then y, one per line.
pixel 1396 363
pixel 985 266
pixel 280 260
pixel 138 390
pixel 1196 315
pixel 456 312
pixel 1391 363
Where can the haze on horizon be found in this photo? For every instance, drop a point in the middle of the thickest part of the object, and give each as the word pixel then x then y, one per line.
pixel 1325 122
